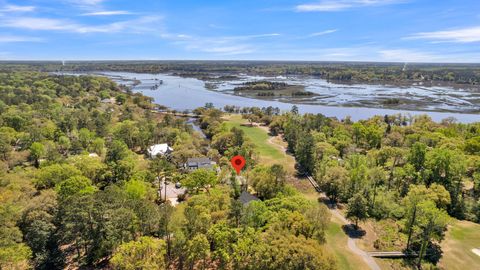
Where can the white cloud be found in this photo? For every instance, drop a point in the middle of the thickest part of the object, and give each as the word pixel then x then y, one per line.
pixel 15 8
pixel 107 13
pixel 326 32
pixel 371 52
pixel 407 55
pixel 465 35
pixel 38 24
pixel 88 5
pixel 247 37
pixel 10 39
pixel 140 25
pixel 331 5
pixel 230 50
pixel 87 2
pixel 223 45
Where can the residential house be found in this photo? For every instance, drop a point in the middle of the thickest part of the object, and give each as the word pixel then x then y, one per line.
pixel 193 164
pixel 159 149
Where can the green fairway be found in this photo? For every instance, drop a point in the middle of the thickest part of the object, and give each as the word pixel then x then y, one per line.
pixel 457 247
pixel 268 152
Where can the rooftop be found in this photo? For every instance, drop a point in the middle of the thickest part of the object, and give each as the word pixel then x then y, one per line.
pixel 159 149
pixel 246 197
pixel 199 163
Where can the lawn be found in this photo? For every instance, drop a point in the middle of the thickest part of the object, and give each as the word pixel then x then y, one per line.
pixel 337 244
pixel 460 239
pixel 269 153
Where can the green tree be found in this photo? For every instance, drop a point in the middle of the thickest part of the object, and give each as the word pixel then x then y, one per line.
pixel 5 144
pixel 357 169
pixel 357 209
pixel 412 203
pixel 472 146
pixel 335 182
pixel 146 253
pixel 283 252
pixel 200 178
pixel 432 224
pixel 117 150
pixel 137 189
pixel 128 132
pixel 256 215
pixel 268 181
pixel 121 98
pixel 198 249
pixel 304 153
pixel 221 238
pixel 37 151
pixel 85 137
pixel 417 155
pixel 75 185
pixel 91 167
pixel 38 228
pixel 49 176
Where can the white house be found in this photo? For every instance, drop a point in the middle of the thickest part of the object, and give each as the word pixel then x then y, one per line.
pixel 159 149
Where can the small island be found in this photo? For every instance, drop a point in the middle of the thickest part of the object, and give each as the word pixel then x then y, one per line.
pixel 269 89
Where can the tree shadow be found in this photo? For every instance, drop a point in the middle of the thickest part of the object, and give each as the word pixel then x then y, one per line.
pixel 330 203
pixel 353 232
pixel 433 253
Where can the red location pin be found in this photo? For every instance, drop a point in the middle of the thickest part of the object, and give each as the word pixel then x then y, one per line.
pixel 238 162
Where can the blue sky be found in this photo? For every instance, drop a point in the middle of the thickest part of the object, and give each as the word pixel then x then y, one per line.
pixel 323 30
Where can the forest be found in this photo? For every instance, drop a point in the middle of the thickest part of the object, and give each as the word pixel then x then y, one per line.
pixel 411 175
pixel 78 188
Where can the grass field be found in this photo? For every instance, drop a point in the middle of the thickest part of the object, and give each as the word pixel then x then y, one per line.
pixel 460 239
pixel 337 243
pixel 269 153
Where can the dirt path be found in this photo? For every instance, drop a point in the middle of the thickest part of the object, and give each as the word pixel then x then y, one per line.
pixel 352 245
pixel 279 146
pixel 270 140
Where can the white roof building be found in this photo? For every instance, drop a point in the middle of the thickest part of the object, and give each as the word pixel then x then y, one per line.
pixel 159 149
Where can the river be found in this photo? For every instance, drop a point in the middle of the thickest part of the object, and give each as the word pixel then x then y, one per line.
pixel 181 94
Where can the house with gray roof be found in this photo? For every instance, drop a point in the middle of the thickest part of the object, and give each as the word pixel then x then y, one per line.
pixel 193 164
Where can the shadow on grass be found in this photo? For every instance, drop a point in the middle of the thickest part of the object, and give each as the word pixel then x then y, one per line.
pixel 330 203
pixel 353 232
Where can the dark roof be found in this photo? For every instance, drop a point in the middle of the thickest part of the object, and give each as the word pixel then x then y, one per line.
pixel 246 197
pixel 199 162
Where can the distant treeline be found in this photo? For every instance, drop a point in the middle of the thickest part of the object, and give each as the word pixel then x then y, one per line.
pixel 465 74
